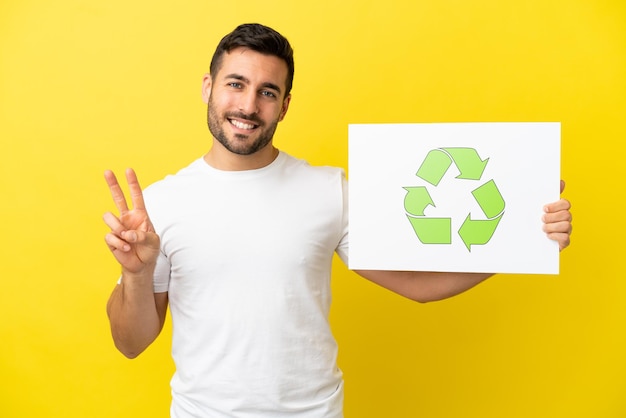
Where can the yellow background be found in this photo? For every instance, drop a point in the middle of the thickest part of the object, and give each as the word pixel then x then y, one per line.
pixel 91 85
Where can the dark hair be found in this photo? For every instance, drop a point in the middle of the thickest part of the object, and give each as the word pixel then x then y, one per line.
pixel 258 38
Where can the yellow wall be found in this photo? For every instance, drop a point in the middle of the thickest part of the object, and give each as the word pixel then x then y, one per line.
pixel 90 85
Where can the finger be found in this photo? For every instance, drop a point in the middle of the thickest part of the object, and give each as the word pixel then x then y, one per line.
pixel 562 215
pixel 558 227
pixel 561 204
pixel 561 238
pixel 116 192
pixel 136 196
pixel 115 243
pixel 562 185
pixel 114 223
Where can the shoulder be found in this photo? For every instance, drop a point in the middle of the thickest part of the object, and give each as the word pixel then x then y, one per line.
pixel 326 185
pixel 184 175
pixel 298 167
pixel 173 185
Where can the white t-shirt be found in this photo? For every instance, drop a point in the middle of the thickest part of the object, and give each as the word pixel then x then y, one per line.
pixel 246 261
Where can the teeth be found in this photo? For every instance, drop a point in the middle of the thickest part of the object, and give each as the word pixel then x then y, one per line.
pixel 242 125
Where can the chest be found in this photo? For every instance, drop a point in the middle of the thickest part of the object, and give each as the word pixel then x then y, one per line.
pixel 239 230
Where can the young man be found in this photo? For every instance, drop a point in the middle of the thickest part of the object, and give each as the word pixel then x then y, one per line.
pixel 239 245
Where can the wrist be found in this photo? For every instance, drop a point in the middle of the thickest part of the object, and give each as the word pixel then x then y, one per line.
pixel 141 278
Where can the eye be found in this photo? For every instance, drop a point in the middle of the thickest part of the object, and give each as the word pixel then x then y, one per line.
pixel 234 85
pixel 268 93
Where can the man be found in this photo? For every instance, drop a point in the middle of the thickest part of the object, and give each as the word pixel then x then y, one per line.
pixel 239 245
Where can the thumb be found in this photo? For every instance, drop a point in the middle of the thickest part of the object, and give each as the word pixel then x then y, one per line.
pixel 149 239
pixel 562 185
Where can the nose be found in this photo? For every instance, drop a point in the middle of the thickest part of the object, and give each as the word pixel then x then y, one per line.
pixel 248 102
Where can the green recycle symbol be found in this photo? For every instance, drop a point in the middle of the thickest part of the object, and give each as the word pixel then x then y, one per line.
pixel 439 230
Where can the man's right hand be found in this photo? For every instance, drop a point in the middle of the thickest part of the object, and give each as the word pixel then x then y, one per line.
pixel 132 239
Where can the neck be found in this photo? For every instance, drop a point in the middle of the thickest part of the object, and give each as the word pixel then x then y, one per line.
pixel 220 158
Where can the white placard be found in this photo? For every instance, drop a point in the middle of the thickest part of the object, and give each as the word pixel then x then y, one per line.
pixel 463 197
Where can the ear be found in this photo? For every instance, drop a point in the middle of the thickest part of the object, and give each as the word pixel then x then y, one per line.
pixel 283 111
pixel 206 88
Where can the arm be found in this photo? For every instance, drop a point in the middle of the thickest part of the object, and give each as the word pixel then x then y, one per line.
pixel 136 313
pixel 430 286
pixel 136 318
pixel 423 286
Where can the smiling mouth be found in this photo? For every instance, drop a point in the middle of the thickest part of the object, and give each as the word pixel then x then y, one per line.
pixel 243 125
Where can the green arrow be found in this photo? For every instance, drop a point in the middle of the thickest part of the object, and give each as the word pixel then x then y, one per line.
pixel 434 166
pixel 468 162
pixel 432 230
pixel 489 198
pixel 416 200
pixel 478 232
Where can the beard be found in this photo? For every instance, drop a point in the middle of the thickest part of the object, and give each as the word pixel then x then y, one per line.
pixel 239 144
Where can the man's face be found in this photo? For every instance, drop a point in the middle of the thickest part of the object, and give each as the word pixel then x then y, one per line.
pixel 246 100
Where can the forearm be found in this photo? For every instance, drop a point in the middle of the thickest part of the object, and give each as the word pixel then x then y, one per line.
pixel 134 318
pixel 425 286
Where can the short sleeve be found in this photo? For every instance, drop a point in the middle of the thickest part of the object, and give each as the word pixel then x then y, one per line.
pixel 342 247
pixel 161 281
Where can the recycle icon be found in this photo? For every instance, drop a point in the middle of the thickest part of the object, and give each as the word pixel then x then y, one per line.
pixel 438 230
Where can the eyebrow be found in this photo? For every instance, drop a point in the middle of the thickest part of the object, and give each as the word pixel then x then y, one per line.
pixel 246 80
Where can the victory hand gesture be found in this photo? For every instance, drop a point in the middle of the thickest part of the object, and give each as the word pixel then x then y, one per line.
pixel 132 239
